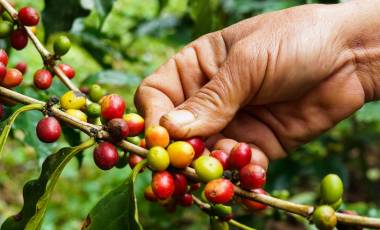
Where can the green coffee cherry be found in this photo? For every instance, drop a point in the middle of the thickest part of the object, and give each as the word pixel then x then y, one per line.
pixel 134 140
pixel 331 189
pixel 324 217
pixel 93 110
pixel 96 92
pixel 61 45
pixel 216 224
pixel 337 204
pixel 5 29
pixel 158 158
pixel 222 211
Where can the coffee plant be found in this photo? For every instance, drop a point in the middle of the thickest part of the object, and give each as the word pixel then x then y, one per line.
pixel 183 172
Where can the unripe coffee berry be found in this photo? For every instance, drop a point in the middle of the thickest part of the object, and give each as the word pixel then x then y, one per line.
pixel 222 157
pixel 61 45
pixel 19 39
pixel 3 57
pixel 73 100
pixel 240 156
pixel 77 114
pixel 93 110
pixel 135 122
pixel 105 155
pixel 252 176
pixel 180 184
pixel 324 217
pixel 198 146
pixel 5 28
pixel 113 106
pixel 149 194
pixel 217 224
pixel 157 136
pixel 224 212
pixel 163 185
pixel 96 92
pixel 22 67
pixel 158 158
pixel 208 168
pixel 12 78
pixel 136 140
pixel 133 160
pixel 254 205
pixel 67 70
pixel 118 129
pixel 48 130
pixel 43 79
pixel 219 191
pixel 331 188
pixel 28 16
pixel 181 154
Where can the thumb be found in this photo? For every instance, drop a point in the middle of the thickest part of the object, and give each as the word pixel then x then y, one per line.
pixel 209 110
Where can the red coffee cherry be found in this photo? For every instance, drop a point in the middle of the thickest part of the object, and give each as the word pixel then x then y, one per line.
pixel 12 78
pixel 149 194
pixel 219 191
pixel 3 57
pixel 68 70
pixel 163 185
pixel 252 176
pixel 180 184
pixel 195 186
pixel 240 156
pixel 22 67
pixel 118 129
pixel 133 160
pixel 198 146
pixel 135 122
pixel 105 155
pixel 2 111
pixel 254 205
pixel 43 79
pixel 222 157
pixel 3 71
pixel 28 16
pixel 185 200
pixel 19 39
pixel 48 130
pixel 113 106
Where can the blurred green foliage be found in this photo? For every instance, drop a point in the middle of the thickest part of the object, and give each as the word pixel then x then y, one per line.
pixel 116 44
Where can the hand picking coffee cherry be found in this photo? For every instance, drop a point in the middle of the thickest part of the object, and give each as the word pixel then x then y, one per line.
pixel 48 130
pixel 105 155
pixel 28 16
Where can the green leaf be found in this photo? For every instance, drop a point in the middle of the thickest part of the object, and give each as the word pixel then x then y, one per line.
pixel 9 122
pixel 118 209
pixel 114 78
pixel 103 7
pixel 37 192
pixel 369 113
pixel 202 14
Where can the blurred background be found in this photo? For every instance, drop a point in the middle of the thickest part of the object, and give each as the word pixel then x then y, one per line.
pixel 119 42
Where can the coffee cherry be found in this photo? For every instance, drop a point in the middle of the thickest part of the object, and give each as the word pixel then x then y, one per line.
pixel 48 130
pixel 254 205
pixel 222 211
pixel 84 90
pixel 180 184
pixel 208 168
pixel 19 39
pixel 67 70
pixel 252 176
pixel 5 28
pixel 163 185
pixel 28 16
pixel 77 114
pixel 158 158
pixel 222 157
pixel 3 57
pixel 331 188
pixel 118 129
pixel 186 200
pixel 240 156
pixel 105 155
pixel 134 159
pixel 149 194
pixel 198 146
pixel 22 67
pixel 135 123
pixel 73 100
pixel 219 191
pixel 3 71
pixel 136 140
pixel 96 92
pixel 143 143
pixel 12 78
pixel 157 136
pixel 113 106
pixel 61 45
pixel 181 154
pixel 93 110
pixel 43 79
pixel 2 112
pixel 324 217
pixel 337 204
pixel 195 186
pixel 217 224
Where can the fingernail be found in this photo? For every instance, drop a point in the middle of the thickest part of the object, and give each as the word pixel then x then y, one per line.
pixel 180 117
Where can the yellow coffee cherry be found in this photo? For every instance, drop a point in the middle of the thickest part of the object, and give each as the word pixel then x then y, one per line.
pixel 73 100
pixel 77 114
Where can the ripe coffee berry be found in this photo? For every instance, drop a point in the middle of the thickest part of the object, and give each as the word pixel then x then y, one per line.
pixel 105 155
pixel 61 45
pixel 240 156
pixel 222 157
pixel 180 184
pixel 67 70
pixel 181 154
pixel 149 194
pixel 254 205
pixel 12 78
pixel 133 160
pixel 43 79
pixel 28 16
pixel 185 200
pixel 208 168
pixel 158 158
pixel 324 217
pixel 331 189
pixel 22 67
pixel 73 100
pixel 118 129
pixel 198 146
pixel 3 57
pixel 219 191
pixel 163 185
pixel 3 71
pixel 48 130
pixel 252 176
pixel 157 136
pixel 135 123
pixel 113 106
pixel 19 39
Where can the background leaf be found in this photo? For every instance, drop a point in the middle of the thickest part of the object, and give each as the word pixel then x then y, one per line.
pixel 103 7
